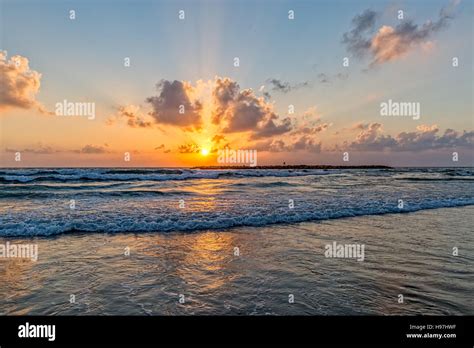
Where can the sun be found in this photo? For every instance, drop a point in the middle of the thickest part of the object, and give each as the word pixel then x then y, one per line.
pixel 204 151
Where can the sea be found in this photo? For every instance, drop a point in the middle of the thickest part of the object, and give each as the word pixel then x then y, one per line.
pixel 182 241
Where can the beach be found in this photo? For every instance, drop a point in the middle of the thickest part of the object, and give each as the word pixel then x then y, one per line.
pixel 252 261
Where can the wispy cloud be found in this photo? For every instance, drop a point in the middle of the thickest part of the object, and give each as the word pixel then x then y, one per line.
pixel 39 149
pixel 132 114
pixel 92 149
pixel 284 86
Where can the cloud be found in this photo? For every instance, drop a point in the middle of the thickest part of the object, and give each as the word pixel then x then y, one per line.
pixel 391 43
pixel 306 143
pixel 369 133
pixel 19 84
pixel 280 86
pixel 241 111
pixel 371 138
pixel 173 106
pixel 39 150
pixel 309 122
pixel 359 125
pixel 342 76
pixel 231 109
pixel 312 114
pixel 303 143
pixel 162 146
pixel 216 139
pixel 362 24
pixel 269 129
pixel 189 148
pixel 312 130
pixel 302 137
pixel 323 78
pixel 92 149
pixel 285 87
pixel 133 116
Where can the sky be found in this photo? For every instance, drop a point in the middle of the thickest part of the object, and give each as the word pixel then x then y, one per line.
pixel 306 90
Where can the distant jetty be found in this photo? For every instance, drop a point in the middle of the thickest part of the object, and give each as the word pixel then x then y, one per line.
pixel 298 166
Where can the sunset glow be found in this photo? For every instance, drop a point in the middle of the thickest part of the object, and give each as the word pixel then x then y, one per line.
pixel 173 107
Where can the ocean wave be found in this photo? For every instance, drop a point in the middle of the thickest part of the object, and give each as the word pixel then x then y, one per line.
pixel 91 193
pixel 266 184
pixel 87 176
pixel 72 171
pixel 462 178
pixel 131 224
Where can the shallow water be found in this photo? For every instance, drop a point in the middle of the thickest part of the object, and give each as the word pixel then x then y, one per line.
pixel 409 254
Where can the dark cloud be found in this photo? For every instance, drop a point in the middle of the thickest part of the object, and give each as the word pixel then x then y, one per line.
pixel 306 143
pixel 279 86
pixel 328 78
pixel 285 87
pixel 225 93
pixel 303 143
pixel 424 138
pixel 390 43
pixel 133 116
pixel 216 139
pixel 166 106
pixel 241 111
pixel 189 148
pixel 269 129
pixel 355 39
